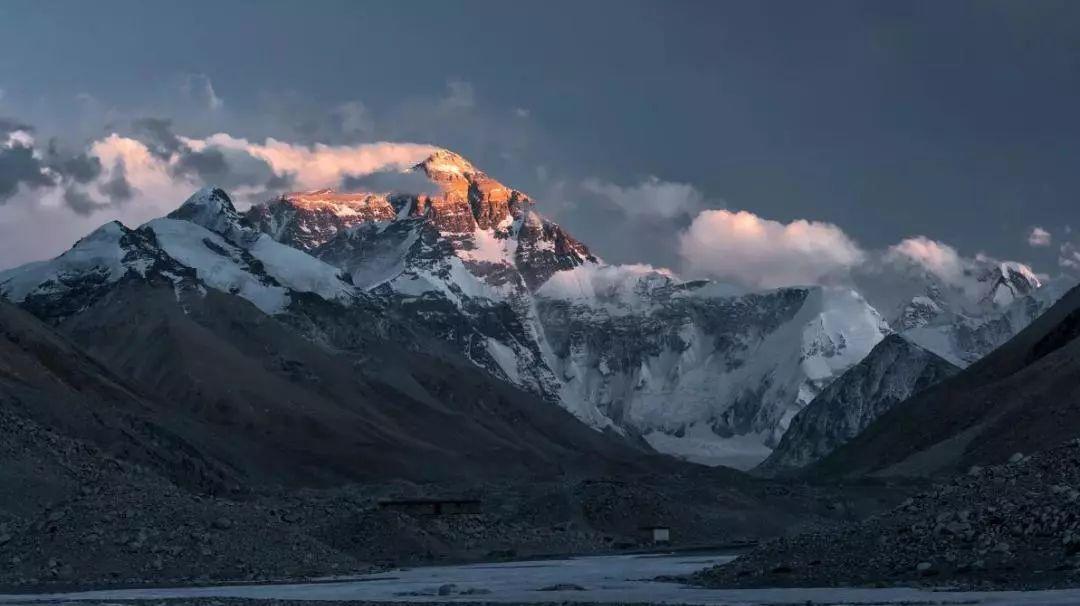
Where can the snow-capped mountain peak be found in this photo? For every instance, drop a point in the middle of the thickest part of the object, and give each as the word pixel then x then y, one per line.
pixel 1008 281
pixel 210 207
pixel 445 165
pixel 961 314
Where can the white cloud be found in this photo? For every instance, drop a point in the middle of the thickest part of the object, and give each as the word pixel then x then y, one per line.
pixel 1039 237
pixel 965 276
pixel 156 186
pixel 759 253
pixel 650 197
pixel 310 167
pixel 938 258
pixel 320 165
pixel 20 137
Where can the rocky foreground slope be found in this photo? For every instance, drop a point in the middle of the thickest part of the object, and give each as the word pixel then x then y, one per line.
pixel 72 515
pixel 1015 525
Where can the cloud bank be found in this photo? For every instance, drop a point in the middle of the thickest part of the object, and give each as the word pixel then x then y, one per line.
pixel 744 248
pixel 149 171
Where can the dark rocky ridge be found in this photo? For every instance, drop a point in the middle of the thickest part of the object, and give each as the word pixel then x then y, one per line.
pixel 306 220
pixel 280 408
pixel 1024 396
pixel 892 372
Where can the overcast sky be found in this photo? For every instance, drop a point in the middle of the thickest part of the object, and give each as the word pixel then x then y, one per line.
pixel 867 122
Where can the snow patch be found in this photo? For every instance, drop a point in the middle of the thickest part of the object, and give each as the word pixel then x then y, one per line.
pixel 98 253
pixel 222 269
pixel 506 358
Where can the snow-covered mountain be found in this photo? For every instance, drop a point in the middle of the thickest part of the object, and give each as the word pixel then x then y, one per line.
pixel 695 368
pixel 714 379
pixel 892 372
pixel 967 316
pixel 200 245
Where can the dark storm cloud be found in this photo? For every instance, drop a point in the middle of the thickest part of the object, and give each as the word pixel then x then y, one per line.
pixel 19 166
pixel 8 126
pixel 80 202
pixel 274 187
pixel 212 165
pixel 162 141
pixel 116 191
pixel 117 188
pixel 158 135
pixel 78 167
pixel 280 182
pixel 56 166
pixel 231 168
pixel 208 165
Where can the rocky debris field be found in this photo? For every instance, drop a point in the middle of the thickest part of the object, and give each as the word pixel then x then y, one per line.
pixel 70 515
pixel 73 517
pixel 1014 525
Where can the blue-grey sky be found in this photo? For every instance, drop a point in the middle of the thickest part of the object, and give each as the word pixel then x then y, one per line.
pixel 957 121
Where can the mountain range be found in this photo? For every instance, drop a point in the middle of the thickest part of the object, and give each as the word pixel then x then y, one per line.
pixel 1020 398
pixel 360 333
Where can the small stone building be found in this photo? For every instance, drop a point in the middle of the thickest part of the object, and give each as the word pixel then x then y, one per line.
pixel 432 507
pixel 657 535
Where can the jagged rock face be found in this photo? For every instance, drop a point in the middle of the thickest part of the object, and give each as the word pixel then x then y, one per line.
pixel 1008 282
pixel 891 373
pixel 469 199
pixel 73 281
pixel 307 220
pixel 489 202
pixel 921 311
pixel 967 316
pixel 963 336
pixel 544 248
pixel 211 208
